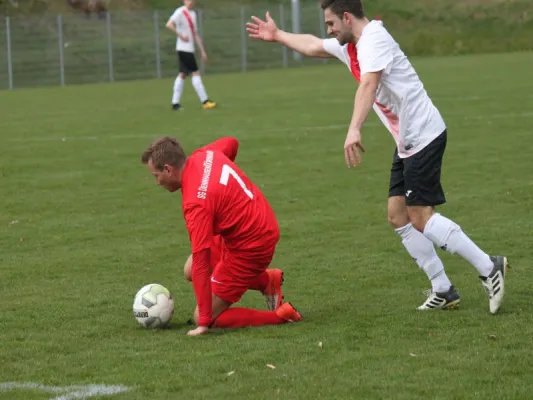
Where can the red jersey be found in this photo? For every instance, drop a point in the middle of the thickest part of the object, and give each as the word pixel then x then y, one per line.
pixel 219 199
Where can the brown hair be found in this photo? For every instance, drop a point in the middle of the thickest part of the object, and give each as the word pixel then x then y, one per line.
pixel 165 150
pixel 339 7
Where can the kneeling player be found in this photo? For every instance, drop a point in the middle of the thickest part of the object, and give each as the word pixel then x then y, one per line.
pixel 219 199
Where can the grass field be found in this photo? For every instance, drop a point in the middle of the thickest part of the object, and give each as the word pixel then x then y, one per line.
pixel 83 227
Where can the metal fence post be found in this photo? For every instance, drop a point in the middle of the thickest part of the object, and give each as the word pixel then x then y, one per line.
pixel 284 53
pixel 322 27
pixel 9 59
pixel 201 33
pixel 243 38
pixel 109 46
pixel 295 10
pixel 321 23
pixel 157 45
pixel 61 47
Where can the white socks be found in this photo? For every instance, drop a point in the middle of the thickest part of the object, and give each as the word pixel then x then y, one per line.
pixel 199 87
pixel 448 236
pixel 179 83
pixel 423 251
pixel 178 90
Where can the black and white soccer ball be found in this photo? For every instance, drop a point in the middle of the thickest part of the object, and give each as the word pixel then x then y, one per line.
pixel 153 306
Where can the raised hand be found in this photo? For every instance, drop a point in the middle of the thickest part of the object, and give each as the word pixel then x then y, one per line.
pixel 262 30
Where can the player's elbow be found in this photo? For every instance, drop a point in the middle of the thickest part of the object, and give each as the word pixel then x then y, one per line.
pixel 169 24
pixel 234 145
pixel 199 263
pixel 370 81
pixel 373 86
pixel 316 49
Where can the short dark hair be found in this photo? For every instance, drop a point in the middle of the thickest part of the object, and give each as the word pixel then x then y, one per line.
pixel 165 150
pixel 339 7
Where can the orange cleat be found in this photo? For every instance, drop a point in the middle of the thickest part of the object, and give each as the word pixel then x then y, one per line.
pixel 273 293
pixel 208 105
pixel 287 312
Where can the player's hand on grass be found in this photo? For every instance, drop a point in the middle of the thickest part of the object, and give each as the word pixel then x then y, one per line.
pixel 353 148
pixel 262 30
pixel 201 330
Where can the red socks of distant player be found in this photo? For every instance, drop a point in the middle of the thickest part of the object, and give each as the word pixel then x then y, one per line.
pixel 243 317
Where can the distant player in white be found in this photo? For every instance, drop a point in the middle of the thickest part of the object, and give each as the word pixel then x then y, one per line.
pixel 183 24
pixel 389 84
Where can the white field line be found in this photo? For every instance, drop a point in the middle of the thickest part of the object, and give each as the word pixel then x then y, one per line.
pixel 76 392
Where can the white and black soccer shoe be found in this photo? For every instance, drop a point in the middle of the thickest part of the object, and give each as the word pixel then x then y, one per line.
pixel 443 301
pixel 494 284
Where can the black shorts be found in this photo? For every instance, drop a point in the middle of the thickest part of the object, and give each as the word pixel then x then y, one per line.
pixel 187 62
pixel 418 177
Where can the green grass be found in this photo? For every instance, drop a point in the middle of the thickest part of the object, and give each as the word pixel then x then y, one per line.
pixel 83 227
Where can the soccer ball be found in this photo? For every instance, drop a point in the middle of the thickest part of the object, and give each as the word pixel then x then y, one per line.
pixel 153 306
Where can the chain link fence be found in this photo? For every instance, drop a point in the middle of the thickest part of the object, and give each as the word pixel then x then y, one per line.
pixel 72 49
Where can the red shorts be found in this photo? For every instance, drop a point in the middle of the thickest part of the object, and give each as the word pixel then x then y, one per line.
pixel 234 273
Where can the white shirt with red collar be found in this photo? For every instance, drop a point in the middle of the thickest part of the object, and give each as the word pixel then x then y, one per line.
pixel 186 24
pixel 401 103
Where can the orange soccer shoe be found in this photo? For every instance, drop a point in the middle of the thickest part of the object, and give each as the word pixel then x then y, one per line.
pixel 273 293
pixel 208 105
pixel 287 312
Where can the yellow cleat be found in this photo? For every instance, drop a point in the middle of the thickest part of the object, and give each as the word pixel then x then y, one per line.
pixel 208 105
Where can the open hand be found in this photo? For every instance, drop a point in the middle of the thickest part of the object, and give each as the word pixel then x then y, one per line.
pixel 352 145
pixel 201 330
pixel 262 30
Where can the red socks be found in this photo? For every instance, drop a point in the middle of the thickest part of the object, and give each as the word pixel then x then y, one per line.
pixel 243 317
pixel 260 283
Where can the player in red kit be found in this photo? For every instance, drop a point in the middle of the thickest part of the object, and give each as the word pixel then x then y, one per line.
pixel 219 199
pixel 272 292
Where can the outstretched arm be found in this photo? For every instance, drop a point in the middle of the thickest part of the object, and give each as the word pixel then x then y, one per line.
pixel 268 31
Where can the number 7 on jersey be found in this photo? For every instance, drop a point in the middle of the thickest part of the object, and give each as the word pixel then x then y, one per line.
pixel 224 177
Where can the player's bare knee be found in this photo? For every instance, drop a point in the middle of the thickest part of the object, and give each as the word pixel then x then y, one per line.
pixel 196 315
pixel 219 306
pixel 183 76
pixel 397 220
pixel 196 73
pixel 420 215
pixel 397 212
pixel 187 269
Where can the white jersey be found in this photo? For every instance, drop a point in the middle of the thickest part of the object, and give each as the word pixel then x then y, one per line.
pixel 401 103
pixel 185 21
